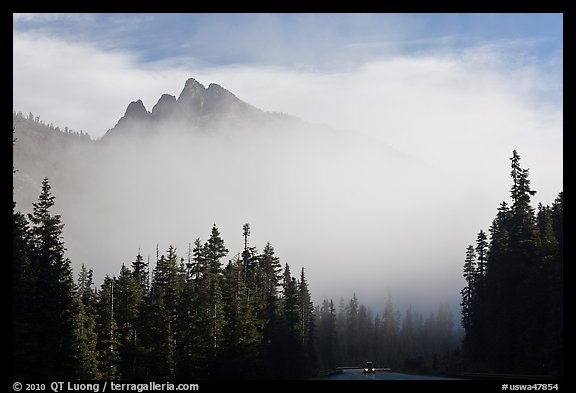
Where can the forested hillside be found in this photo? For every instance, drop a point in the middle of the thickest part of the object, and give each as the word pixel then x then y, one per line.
pixel 185 317
pixel 512 305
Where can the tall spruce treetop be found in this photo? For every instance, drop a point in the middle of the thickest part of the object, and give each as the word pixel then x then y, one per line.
pixel 521 191
pixel 271 271
pixel 140 271
pixel 47 228
pixel 55 292
pixel 306 308
pixel 481 253
pixel 470 265
pixel 86 288
pixel 198 264
pixel 214 250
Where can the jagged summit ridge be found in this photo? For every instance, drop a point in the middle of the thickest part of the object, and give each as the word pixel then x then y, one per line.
pixel 196 107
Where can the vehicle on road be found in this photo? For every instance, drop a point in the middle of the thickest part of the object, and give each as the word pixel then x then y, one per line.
pixel 369 368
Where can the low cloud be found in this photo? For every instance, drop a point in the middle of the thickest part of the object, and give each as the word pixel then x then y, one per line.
pixel 355 221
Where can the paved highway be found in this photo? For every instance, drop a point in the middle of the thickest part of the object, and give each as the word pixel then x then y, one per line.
pixel 380 375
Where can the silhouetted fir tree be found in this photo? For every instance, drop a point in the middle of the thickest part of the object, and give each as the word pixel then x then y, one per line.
pixel 482 256
pixel 240 338
pixel 86 290
pixel 107 330
pixel 476 341
pixel 213 251
pixel 468 292
pixel 249 261
pixel 23 286
pixel 519 299
pixel 186 328
pixel 140 271
pixel 86 343
pixel 87 338
pixel 197 263
pixel 165 297
pixel 268 309
pixel 129 297
pixel 197 319
pixel 53 305
pixel 306 326
pixel 291 344
pixel 269 282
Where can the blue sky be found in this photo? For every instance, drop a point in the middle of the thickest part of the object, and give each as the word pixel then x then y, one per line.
pixel 458 92
pixel 317 40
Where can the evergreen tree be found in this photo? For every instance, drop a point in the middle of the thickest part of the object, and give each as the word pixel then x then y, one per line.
pixel 86 343
pixel 468 292
pixel 87 337
pixel 23 286
pixel 291 344
pixel 326 337
pixel 213 251
pixel 53 298
pixel 270 281
pixel 267 309
pixel 240 338
pixel 140 272
pixel 250 263
pixel 194 351
pixel 129 297
pixel 306 326
pixel 86 289
pixel 165 298
pixel 482 255
pixel 186 351
pixel 107 329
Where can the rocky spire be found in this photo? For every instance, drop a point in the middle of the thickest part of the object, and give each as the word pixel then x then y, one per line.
pixel 136 110
pixel 196 107
pixel 164 107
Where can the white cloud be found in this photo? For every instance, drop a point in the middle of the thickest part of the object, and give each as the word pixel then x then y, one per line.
pixel 460 114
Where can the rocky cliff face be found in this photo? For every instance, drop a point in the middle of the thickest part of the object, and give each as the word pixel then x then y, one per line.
pixel 196 108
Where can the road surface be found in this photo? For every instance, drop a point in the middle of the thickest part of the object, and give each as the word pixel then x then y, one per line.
pixel 380 375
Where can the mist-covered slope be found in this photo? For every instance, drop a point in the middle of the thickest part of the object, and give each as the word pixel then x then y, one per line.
pixel 357 213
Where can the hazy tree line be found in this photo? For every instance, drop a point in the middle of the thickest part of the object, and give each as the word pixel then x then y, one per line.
pixel 33 121
pixel 351 334
pixel 186 317
pixel 512 304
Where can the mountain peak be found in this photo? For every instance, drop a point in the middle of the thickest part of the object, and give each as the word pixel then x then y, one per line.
pixel 135 114
pixel 197 107
pixel 192 88
pixel 164 107
pixel 136 110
